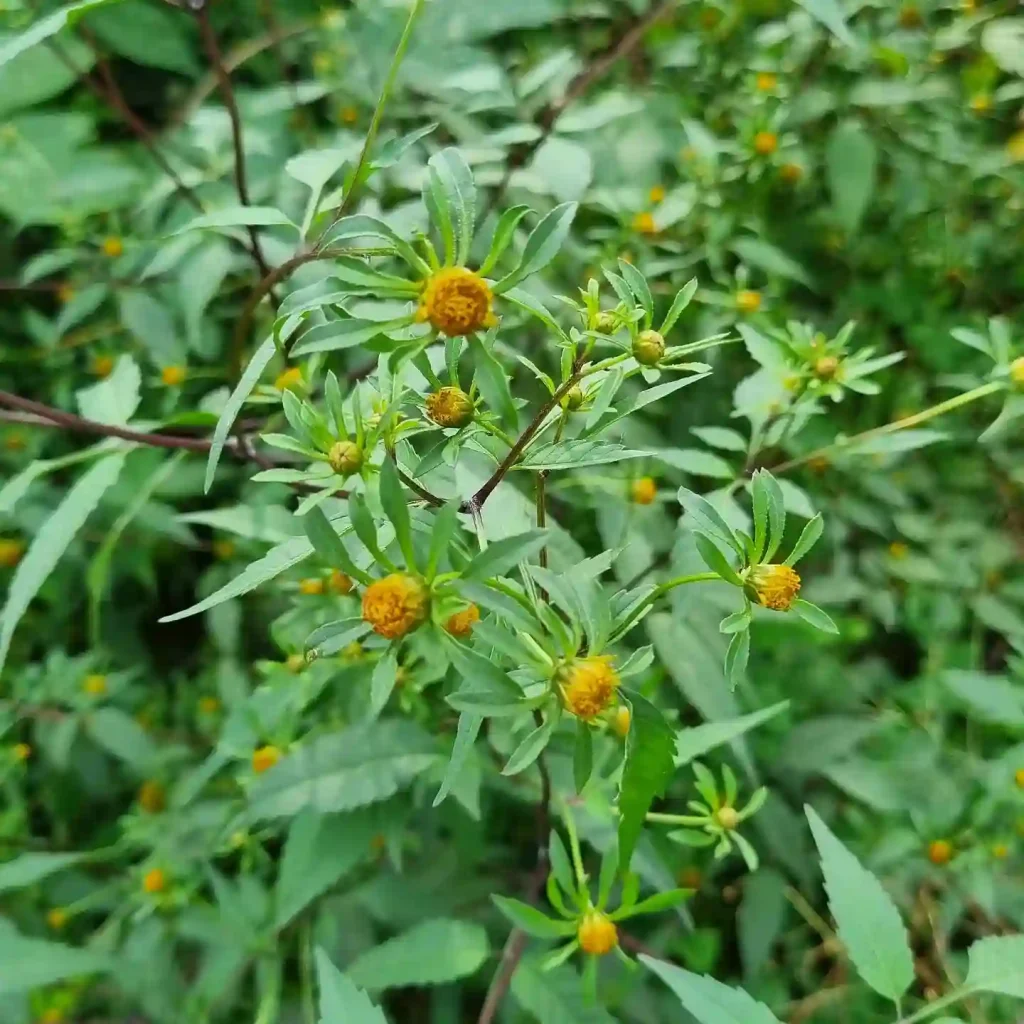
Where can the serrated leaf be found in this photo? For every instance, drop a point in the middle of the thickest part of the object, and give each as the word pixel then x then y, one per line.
pixel 650 746
pixel 355 767
pixel 542 246
pixel 996 964
pixel 576 454
pixel 52 540
pixel 341 1002
pixel 708 1000
pixel 867 921
pixel 431 953
pixel 692 743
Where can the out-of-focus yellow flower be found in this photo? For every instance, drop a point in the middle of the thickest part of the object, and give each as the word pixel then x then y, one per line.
pixel 588 686
pixel 312 587
pixel 295 663
pixel 1015 146
pixel 791 172
pixel 1017 370
pixel 774 586
pixel 113 246
pixel 173 376
pixel 152 797
pixel 396 605
pixel 461 623
pixel 981 103
pixel 290 379
pixel 102 366
pixel 765 143
pixel 95 684
pixel 597 933
pixel 940 851
pixel 349 115
pixel 748 301
pixel 209 705
pixel 644 223
pixel 1000 851
pixel 1018 777
pixel 57 918
pixel 898 550
pixel 766 81
pixel 340 583
pixel 656 194
pixel 154 881
pixel 910 16
pixel 826 367
pixel 65 293
pixel 22 752
pixel 10 552
pixel 224 549
pixel 644 491
pixel 622 719
pixel 456 302
pixel 265 758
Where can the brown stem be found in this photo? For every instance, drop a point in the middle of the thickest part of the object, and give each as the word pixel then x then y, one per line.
pixel 227 93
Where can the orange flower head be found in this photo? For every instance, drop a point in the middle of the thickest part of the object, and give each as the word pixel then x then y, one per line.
pixel 57 918
pixel 791 173
pixel 173 376
pixel 461 623
pixel 265 758
pixel 289 380
pixel 765 143
pixel 643 223
pixel 898 550
pixel 644 491
pixel 940 851
pixel 340 583
pixel 396 605
pixel 102 366
pixel 450 407
pixel 766 81
pixel 10 552
pixel 774 586
pixel 648 348
pixel 748 301
pixel 152 797
pixel 312 587
pixel 456 301
pixel 113 246
pixel 95 684
pixel 597 933
pixel 154 881
pixel 588 686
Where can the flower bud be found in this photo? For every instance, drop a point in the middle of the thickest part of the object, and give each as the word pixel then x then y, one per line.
pixel 648 348
pixel 597 933
pixel 573 399
pixel 345 458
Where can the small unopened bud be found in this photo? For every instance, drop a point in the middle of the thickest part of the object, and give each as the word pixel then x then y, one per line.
pixel 573 399
pixel 1017 371
pixel 648 348
pixel 728 817
pixel 826 367
pixel 345 457
pixel 606 322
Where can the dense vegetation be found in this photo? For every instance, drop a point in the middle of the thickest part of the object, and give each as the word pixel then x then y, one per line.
pixel 512 511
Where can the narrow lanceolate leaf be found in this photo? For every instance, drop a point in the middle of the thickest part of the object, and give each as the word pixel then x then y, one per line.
pixel 33 963
pixel 996 964
pixel 352 768
pixel 867 920
pixel 385 674
pixel 650 750
pixel 500 556
pixel 239 216
pixel 341 1002
pixel 465 737
pixel 576 454
pixel 530 748
pixel 533 921
pixel 46 27
pixel 431 953
pixel 392 498
pixel 33 867
pixel 708 1000
pixel 542 246
pixel 259 362
pixel 691 743
pixel 52 541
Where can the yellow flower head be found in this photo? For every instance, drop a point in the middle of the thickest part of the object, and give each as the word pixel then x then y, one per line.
pixel 450 407
pixel 10 552
pixel 289 380
pixel 1015 147
pixel 588 686
pixel 643 223
pixel 1000 851
pixel 1018 777
pixel 774 586
pixel 396 605
pixel 102 366
pixel 265 758
pixel 65 293
pixel 791 172
pixel 656 194
pixel 648 348
pixel 981 103
pixel 113 246
pixel 826 367
pixel 766 81
pixel 152 797
pixel 940 851
pixel 312 587
pixel 349 115
pixel 910 16
pixel 95 685
pixel 345 458
pixel 340 583
pixel 597 933
pixel 898 550
pixel 1017 370
pixel 209 705
pixel 644 491
pixel 765 143
pixel 173 376
pixel 154 881
pixel 456 302
pixel 748 301
pixel 57 918
pixel 622 719
pixel 22 752
pixel 461 623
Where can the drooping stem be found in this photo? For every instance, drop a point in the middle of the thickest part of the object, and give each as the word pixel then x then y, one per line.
pixel 901 424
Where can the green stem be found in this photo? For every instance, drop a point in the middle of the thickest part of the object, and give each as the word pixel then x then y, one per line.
pixel 891 428
pixel 660 591
pixel 940 1004
pixel 306 971
pixel 574 849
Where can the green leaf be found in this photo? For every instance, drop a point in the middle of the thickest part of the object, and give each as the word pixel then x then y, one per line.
pixel 715 560
pixel 867 920
pixel 852 161
pixel 339 771
pixel 342 334
pixel 432 953
pixel 115 399
pixel 761 918
pixel 328 543
pixel 556 995
pixel 736 656
pixel 996 964
pixel 146 34
pixel 812 614
pixel 382 683
pixel 638 286
pixel 277 560
pixel 320 850
pixel 46 27
pixel 393 500
pixel 807 539
pixel 530 749
pixel 708 1000
pixel 492 379
pixel 655 904
pixel 456 183
pixel 693 743
pixel 257 364
pixel 30 868
pixel 647 770
pixel 497 558
pixel 993 699
pixel 774 261
pixel 340 1001
pixel 503 232
pixel 681 301
pixel 238 216
pixel 120 735
pixel 576 454
pixel 443 531
pixel 830 14
pixel 542 246
pixel 32 963
pixel 50 543
pixel 533 921
pixel 465 737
